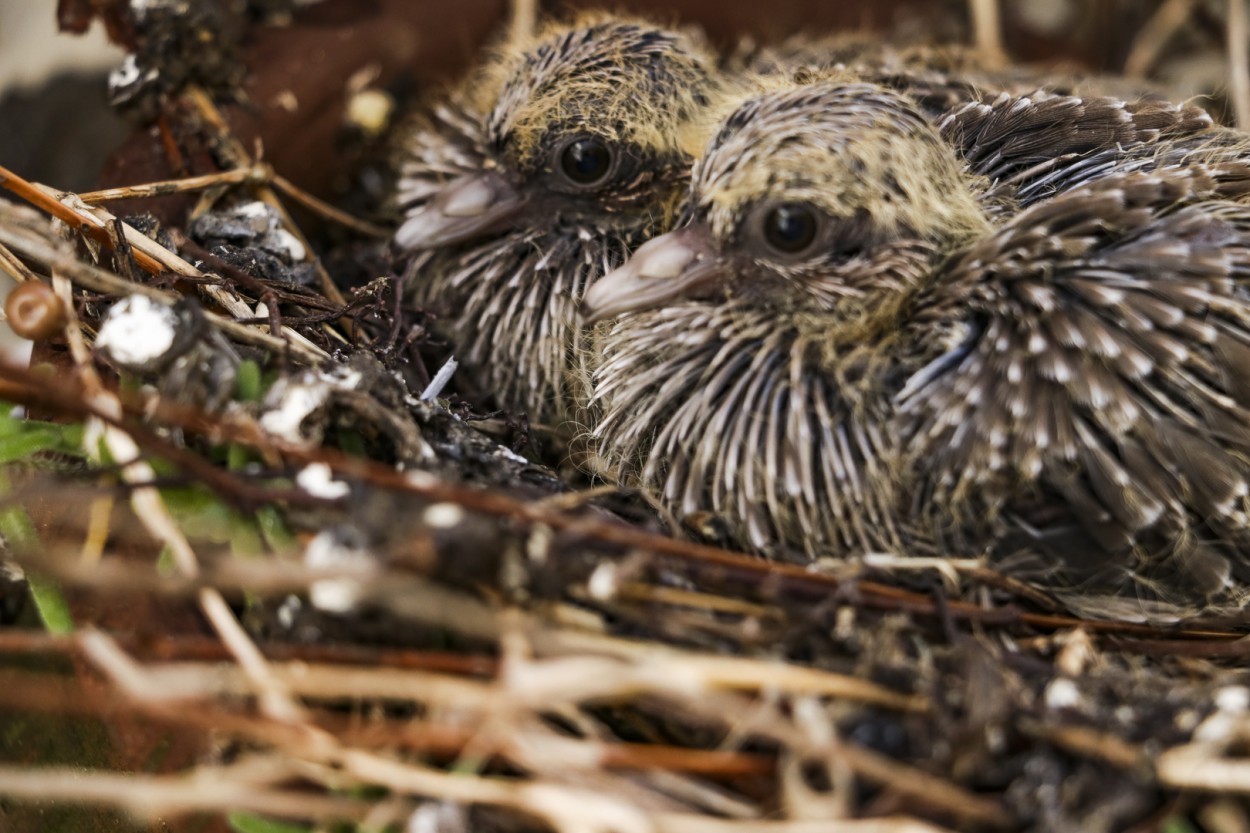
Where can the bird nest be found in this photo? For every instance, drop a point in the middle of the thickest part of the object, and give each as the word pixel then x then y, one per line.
pixel 279 578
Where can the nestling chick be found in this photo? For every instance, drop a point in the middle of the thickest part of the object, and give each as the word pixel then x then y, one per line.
pixel 839 353
pixel 538 177
pixel 756 378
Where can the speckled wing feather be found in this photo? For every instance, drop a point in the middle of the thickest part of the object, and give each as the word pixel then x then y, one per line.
pixel 1015 140
pixel 1098 411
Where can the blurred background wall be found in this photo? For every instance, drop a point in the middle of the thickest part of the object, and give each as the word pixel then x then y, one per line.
pixel 52 95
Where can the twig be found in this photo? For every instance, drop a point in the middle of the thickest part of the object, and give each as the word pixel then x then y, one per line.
pixel 931 790
pixel 1154 36
pixel 99 280
pixel 255 173
pixel 168 261
pixel 1203 766
pixel 1239 62
pixel 232 147
pixel 1090 743
pixel 522 20
pixel 326 210
pixel 690 823
pixel 14 267
pixel 55 694
pixel 200 648
pixel 148 253
pixel 150 796
pixel 693 599
pixel 987 31
pixel 787 577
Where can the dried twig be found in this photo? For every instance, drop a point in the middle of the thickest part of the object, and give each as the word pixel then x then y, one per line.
pixel 238 155
pixel 15 269
pixel 522 20
pixel 190 184
pixel 1163 24
pixel 987 32
pixel 98 280
pixel 1239 61
pixel 1203 766
pixel 150 797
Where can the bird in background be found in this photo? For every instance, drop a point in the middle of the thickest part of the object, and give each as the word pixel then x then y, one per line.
pixel 538 176
pixel 876 332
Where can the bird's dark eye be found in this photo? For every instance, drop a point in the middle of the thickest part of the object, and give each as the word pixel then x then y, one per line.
pixel 585 161
pixel 790 227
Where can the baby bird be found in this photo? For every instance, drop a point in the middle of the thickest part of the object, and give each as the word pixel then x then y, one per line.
pixel 755 377
pixel 849 347
pixel 539 176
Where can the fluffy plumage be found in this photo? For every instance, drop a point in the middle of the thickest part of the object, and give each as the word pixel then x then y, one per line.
pixel 537 177
pixel 860 341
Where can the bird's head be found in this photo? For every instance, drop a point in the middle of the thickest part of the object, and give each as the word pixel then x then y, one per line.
pixel 827 197
pixel 585 130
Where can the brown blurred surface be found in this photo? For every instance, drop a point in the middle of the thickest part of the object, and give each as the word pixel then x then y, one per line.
pixel 298 75
pixel 422 44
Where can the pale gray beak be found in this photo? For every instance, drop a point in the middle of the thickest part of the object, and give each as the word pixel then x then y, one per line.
pixel 466 208
pixel 670 267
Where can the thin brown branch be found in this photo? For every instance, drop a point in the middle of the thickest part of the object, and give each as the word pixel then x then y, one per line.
pixel 1152 37
pixel 147 253
pixel 204 649
pixel 936 793
pixel 987 31
pixel 14 267
pixel 1203 766
pixel 256 173
pixel 238 156
pixel 522 20
pixel 1239 61
pixel 328 211
pixel 99 280
pixel 1090 743
pixel 786 577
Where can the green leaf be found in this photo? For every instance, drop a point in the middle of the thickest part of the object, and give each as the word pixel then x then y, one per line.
pixel 273 529
pixel 15 524
pixel 20 438
pixel 22 444
pixel 1177 824
pixel 165 564
pixel 251 823
pixel 247 383
pixel 238 456
pixel 245 538
pixel 352 444
pixel 52 607
pixel 71 437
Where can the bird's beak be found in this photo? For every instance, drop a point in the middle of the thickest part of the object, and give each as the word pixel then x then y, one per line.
pixel 671 266
pixel 467 207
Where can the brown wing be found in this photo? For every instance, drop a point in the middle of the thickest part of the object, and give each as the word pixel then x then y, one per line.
pixel 1015 139
pixel 1100 406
